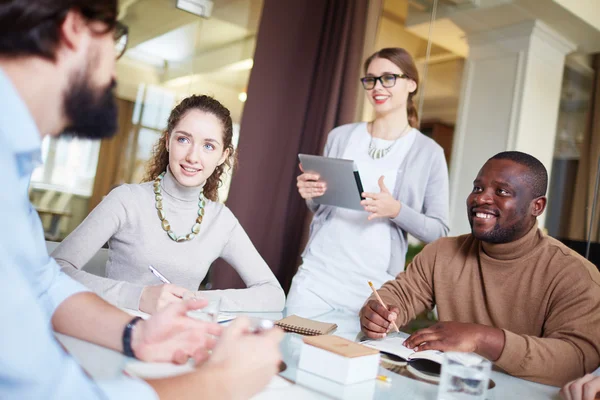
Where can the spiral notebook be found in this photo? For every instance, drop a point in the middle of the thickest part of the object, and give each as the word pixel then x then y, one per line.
pixel 304 326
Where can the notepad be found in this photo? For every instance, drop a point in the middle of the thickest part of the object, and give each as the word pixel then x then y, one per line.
pixel 305 326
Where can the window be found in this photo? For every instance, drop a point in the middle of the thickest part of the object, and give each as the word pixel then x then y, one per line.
pixel 69 165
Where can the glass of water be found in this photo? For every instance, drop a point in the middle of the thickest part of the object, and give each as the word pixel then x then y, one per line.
pixel 465 376
pixel 210 313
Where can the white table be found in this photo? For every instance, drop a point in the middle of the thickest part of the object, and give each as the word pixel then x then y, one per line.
pixel 103 363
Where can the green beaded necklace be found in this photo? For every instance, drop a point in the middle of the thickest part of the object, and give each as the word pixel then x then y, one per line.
pixel 165 224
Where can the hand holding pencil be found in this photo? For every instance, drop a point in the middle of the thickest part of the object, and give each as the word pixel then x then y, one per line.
pixel 376 318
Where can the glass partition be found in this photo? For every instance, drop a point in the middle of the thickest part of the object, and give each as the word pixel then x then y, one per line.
pixel 171 54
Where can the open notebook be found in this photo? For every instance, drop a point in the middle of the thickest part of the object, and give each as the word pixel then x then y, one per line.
pixel 304 326
pixel 425 364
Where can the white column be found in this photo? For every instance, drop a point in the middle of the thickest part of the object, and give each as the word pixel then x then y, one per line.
pixel 509 101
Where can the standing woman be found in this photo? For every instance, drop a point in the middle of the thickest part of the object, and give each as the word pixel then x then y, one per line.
pixel 174 223
pixel 405 178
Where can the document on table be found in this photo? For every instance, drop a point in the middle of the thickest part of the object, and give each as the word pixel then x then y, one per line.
pixel 223 317
pixel 277 388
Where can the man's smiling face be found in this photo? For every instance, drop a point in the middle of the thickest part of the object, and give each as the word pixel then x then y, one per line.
pixel 500 206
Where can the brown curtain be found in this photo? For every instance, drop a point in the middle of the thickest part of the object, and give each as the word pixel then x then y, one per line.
pixel 581 211
pixel 304 83
pixel 110 157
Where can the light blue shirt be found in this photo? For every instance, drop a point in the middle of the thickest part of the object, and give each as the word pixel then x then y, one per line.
pixel 33 365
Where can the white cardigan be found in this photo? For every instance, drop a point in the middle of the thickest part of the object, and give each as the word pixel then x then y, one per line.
pixel 421 187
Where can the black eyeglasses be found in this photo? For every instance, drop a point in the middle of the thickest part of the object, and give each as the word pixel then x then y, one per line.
pixel 121 36
pixel 104 12
pixel 387 80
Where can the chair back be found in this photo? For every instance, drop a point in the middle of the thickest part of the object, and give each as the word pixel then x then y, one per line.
pixel 97 264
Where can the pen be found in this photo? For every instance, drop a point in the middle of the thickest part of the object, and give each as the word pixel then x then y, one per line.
pixel 381 301
pixel 384 378
pixel 158 274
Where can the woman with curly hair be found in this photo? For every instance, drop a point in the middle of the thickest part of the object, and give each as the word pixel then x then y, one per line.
pixel 173 222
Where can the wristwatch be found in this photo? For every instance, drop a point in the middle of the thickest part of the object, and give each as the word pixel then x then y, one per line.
pixel 127 350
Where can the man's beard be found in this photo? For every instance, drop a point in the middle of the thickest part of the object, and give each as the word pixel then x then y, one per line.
pixel 498 234
pixel 505 234
pixel 92 112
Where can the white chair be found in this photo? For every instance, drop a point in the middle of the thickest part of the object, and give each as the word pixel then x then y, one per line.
pixel 96 266
pixel 53 208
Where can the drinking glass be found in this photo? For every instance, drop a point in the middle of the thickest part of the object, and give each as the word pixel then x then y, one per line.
pixel 210 313
pixel 465 376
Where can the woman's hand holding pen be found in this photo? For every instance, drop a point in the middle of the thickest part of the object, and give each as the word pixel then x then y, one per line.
pixel 309 185
pixel 155 298
pixel 382 204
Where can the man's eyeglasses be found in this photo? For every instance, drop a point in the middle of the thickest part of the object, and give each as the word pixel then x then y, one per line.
pixel 387 80
pixel 121 36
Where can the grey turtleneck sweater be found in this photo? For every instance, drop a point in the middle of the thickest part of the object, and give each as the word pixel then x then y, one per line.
pixel 128 220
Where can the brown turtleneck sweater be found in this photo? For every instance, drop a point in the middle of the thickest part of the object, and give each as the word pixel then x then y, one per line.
pixel 544 296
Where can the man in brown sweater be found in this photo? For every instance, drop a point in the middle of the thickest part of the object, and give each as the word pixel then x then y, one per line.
pixel 506 291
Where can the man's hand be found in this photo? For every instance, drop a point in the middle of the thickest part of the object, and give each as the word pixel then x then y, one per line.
pixel 585 388
pixel 458 336
pixel 382 204
pixel 375 320
pixel 244 361
pixel 171 336
pixel 155 298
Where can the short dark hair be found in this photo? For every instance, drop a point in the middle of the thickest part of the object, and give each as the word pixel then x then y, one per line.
pixel 537 178
pixel 32 27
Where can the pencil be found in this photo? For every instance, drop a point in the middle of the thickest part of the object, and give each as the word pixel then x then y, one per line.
pixel 381 301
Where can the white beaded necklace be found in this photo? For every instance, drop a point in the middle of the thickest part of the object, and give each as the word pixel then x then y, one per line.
pixel 376 153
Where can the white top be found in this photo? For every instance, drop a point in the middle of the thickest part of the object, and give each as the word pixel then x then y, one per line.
pixel 128 220
pixel 350 250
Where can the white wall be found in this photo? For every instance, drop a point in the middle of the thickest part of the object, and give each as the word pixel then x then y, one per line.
pixel 587 10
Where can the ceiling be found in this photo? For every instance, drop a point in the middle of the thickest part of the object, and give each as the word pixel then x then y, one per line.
pixel 178 44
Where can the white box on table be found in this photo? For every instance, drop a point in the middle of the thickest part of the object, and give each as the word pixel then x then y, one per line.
pixel 338 359
pixel 336 390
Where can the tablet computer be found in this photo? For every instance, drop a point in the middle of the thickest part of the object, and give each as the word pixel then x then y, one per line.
pixel 344 187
